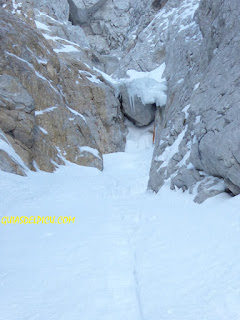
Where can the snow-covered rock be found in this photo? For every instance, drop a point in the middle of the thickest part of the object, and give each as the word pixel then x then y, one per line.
pixel 141 93
pixel 202 70
pixel 133 108
pixel 52 103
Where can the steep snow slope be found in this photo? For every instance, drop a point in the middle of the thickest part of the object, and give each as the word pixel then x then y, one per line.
pixel 130 254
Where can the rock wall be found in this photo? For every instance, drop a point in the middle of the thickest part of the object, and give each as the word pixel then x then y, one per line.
pixel 196 146
pixel 108 24
pixel 197 143
pixel 53 108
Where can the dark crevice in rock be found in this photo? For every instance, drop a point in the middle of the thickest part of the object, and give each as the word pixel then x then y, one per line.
pixel 158 4
pixel 77 16
pixel 231 188
pixel 130 118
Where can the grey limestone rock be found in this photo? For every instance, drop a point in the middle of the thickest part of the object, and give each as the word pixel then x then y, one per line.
pixel 202 69
pixel 135 110
pixel 8 164
pixel 13 95
pixel 58 8
pixel 107 23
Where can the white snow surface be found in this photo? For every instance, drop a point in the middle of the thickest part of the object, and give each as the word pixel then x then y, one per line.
pixel 91 77
pixel 66 48
pixel 43 130
pixel 130 255
pixel 41 26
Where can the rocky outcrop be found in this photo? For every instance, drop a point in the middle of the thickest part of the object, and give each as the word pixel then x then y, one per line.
pixel 197 143
pixel 135 110
pixel 216 146
pixel 79 15
pixel 104 22
pixel 108 23
pixel 88 94
pixel 52 107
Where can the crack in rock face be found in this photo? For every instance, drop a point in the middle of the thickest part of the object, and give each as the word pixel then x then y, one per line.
pixel 158 4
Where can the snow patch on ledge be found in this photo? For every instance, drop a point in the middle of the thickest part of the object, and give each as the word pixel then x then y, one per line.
pixel 77 114
pixel 169 151
pixel 41 112
pixel 66 48
pixel 42 26
pixel 94 152
pixel 43 130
